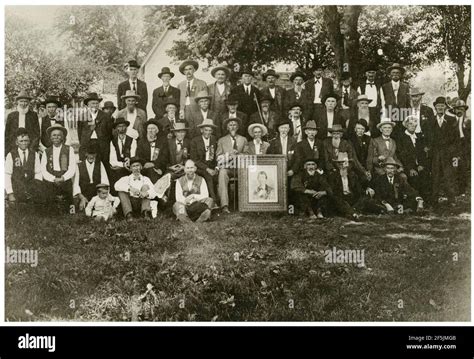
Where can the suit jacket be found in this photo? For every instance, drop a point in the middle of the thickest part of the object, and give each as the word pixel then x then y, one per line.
pixel 330 154
pixel 272 120
pixel 247 103
pixel 395 193
pixel 224 145
pixel 166 125
pixel 276 149
pixel 402 100
pixel 321 119
pixel 218 100
pixel 303 151
pixel 357 184
pixel 31 125
pixel 160 97
pixel 263 148
pixel 198 152
pixel 352 97
pixel 278 101
pixel 327 86
pixel 103 127
pixel 361 147
pixel 140 121
pixel 377 147
pixel 412 156
pixel 176 157
pixel 220 121
pixel 443 140
pixel 291 97
pixel 302 181
pixel 45 124
pixel 198 85
pixel 195 118
pixel 141 90
pixel 144 151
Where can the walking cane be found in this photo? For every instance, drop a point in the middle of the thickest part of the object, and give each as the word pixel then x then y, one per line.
pixel 258 107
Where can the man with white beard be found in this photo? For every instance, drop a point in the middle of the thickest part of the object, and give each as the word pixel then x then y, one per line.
pixel 23 117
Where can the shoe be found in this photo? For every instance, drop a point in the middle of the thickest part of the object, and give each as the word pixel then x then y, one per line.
pixel 319 215
pixel 204 216
pixel 129 217
pixel 312 216
pixel 147 215
pixel 225 210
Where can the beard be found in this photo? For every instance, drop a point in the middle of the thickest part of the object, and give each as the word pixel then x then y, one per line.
pixel 22 110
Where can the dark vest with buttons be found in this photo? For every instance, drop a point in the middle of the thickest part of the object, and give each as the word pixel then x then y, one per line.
pixel 127 145
pixel 196 187
pixel 84 179
pixel 63 159
pixel 23 172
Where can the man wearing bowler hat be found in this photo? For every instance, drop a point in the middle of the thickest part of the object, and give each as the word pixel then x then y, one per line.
pixel 133 83
pixel 52 117
pixel 189 88
pixel 318 87
pixel 162 94
pixel 273 91
pixel 247 94
pixel 23 117
pixel 232 104
pixel 122 148
pixel 296 94
pixel 109 108
pixel 133 114
pixel 220 89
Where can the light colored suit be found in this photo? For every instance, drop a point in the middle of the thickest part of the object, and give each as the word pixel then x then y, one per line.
pixel 378 148
pixel 140 120
pixel 197 86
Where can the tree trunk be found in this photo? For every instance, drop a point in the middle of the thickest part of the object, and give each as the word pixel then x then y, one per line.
pixel 463 91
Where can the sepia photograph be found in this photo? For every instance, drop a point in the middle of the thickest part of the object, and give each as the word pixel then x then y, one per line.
pixel 237 163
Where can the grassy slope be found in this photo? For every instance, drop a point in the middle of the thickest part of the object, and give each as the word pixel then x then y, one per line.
pixel 82 276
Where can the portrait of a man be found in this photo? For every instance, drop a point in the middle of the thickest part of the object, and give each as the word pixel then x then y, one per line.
pixel 262 182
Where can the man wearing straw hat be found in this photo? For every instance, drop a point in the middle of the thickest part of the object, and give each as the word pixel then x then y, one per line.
pixel 203 153
pixel 134 84
pixel 257 146
pixel 58 164
pixel 197 116
pixel 220 89
pixel 189 88
pixel 164 93
pixel 52 117
pixel 23 117
pixel 136 116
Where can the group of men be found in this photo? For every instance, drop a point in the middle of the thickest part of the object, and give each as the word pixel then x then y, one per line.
pixel 350 149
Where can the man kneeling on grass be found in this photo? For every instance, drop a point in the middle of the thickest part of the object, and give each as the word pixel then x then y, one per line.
pixel 103 206
pixel 192 196
pixel 135 191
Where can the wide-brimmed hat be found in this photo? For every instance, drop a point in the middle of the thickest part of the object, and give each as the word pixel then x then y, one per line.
pixel 185 63
pixel 129 94
pixel 121 121
pixel 330 95
pixel 317 66
pixel 297 74
pixel 459 104
pixel 202 95
pixel 395 66
pixel 440 99
pixel 135 160
pixel 92 148
pixel 336 128
pixel 391 161
pixel 109 104
pixel 179 126
pixel 232 99
pixel 310 125
pixel 92 96
pixel 284 121
pixel 207 123
pixel 221 68
pixel 371 67
pixel 262 127
pixel 386 121
pixel 165 70
pixel 152 122
pixel 310 159
pixel 52 99
pixel 236 119
pixel 133 63
pixel 246 70
pixel 172 101
pixel 345 76
pixel 364 123
pixel 295 104
pixel 270 72
pixel 266 97
pixel 56 126
pixel 414 91
pixel 342 157
pixel 408 118
pixel 363 98
pixel 23 95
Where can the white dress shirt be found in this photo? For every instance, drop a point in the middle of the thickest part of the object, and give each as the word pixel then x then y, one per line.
pixel 188 99
pixel 311 143
pixel 21 119
pixel 387 141
pixel 9 168
pixel 284 145
pixel 297 128
pixel 345 185
pixel 204 114
pixel 220 88
pixel 272 92
pixel 460 123
pixel 131 85
pixel 247 89
pixel 114 162
pixel 412 137
pixel 330 117
pixel 318 84
pixel 207 147
pixel 257 144
pixel 101 207
pixel 71 170
pixel 93 116
pixel 128 182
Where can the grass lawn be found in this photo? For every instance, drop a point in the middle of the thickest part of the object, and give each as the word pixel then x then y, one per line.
pixel 241 267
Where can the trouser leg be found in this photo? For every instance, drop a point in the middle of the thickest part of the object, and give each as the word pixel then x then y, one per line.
pixel 223 184
pixel 125 202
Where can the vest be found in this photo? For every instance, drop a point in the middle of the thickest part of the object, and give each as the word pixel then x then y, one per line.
pixel 196 188
pixel 379 100
pixel 127 145
pixel 25 171
pixel 84 179
pixel 63 159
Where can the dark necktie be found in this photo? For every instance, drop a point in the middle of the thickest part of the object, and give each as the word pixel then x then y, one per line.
pixel 23 161
pixel 188 90
pixel 346 97
pixel 371 84
pixel 122 142
pixel 235 142
pixel 134 87
pixel 317 81
pixel 248 90
pixel 178 146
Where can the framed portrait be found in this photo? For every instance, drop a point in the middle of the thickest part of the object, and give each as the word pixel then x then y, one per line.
pixel 262 183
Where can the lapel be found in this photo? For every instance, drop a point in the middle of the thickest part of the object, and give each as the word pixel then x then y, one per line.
pixel 173 148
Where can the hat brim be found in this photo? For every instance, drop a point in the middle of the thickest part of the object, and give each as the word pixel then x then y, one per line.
pixel 102 185
pixel 391 163
pixel 23 98
pixel 126 122
pixel 264 76
pixel 393 124
pixel 206 125
pixel 292 77
pixel 87 100
pixel 417 94
pixel 166 73
pixel 389 69
pixel 339 161
pixel 195 64
pixel 254 125
pixel 197 99
pixel 226 122
pixel 364 99
pixel 140 161
pixel 179 129
pixel 222 68
pixel 51 129
pixel 57 103
pixel 342 130
pixel 136 97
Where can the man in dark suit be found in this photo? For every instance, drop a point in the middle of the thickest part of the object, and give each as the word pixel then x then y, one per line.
pixel 276 93
pixel 154 150
pixel 170 118
pixel 328 115
pixel 412 151
pixel 98 128
pixel 463 148
pixel 424 113
pixel 348 97
pixel 393 191
pixel 220 89
pixel 247 94
pixel 372 89
pixel 180 150
pixel 203 153
pixel 360 141
pixel 266 116
pixel 232 104
pixel 309 147
pixel 51 118
pixel 23 117
pixel 164 93
pixel 283 144
pixel 442 152
pixel 134 84
pixel 318 87
pixel 297 94
pixel 396 95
